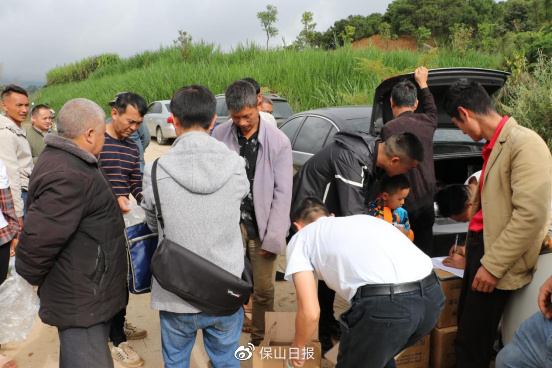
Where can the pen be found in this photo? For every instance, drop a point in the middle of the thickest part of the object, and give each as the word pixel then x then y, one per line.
pixel 456 243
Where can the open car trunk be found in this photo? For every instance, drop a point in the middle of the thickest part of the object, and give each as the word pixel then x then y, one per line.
pixel 456 156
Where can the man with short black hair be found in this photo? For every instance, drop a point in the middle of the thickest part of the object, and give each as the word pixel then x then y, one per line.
pixel 510 222
pixel 14 149
pixel 204 176
pixel 394 294
pixel 41 120
pixel 120 160
pixel 419 203
pixel 73 244
pixel 265 211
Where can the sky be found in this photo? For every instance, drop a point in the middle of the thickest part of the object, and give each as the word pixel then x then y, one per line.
pixel 42 34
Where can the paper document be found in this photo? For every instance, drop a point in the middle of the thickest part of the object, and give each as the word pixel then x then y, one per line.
pixel 438 263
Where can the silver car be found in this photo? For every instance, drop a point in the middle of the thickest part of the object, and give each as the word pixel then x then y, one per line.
pixel 159 122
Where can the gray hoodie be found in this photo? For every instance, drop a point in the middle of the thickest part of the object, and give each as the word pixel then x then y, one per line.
pixel 201 185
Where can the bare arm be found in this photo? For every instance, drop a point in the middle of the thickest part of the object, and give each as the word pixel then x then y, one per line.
pixel 308 312
pixel 545 304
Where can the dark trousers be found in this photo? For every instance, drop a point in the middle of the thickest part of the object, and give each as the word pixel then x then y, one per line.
pixel 85 347
pixel 376 328
pixel 117 331
pixel 24 198
pixel 4 261
pixel 421 222
pixel 478 313
pixel 326 298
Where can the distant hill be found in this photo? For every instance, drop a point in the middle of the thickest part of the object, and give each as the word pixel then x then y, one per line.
pixel 21 82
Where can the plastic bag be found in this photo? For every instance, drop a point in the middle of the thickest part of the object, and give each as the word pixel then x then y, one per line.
pixel 18 308
pixel 135 216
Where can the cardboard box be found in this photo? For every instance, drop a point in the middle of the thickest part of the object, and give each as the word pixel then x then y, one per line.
pixel 442 347
pixel 416 356
pixel 451 285
pixel 275 349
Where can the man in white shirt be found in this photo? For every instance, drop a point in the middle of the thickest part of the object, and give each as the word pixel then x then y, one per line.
pixel 395 296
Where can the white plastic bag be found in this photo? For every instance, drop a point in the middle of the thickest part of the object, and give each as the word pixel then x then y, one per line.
pixel 135 216
pixel 18 308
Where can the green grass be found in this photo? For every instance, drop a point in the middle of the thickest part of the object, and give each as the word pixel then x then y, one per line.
pixel 308 79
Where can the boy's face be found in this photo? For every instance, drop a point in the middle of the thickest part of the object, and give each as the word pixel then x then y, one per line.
pixel 395 200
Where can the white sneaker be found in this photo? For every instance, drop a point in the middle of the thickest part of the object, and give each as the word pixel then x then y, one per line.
pixel 126 355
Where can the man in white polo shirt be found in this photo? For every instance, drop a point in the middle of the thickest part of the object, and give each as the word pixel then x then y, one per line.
pixel 395 296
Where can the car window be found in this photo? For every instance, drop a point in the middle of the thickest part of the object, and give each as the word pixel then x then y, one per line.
pixel 281 109
pixel 222 110
pixel 312 135
pixel 168 106
pixel 156 109
pixel 150 108
pixel 330 136
pixel 361 124
pixel 290 128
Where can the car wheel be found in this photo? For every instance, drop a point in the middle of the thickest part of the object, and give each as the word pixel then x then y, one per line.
pixel 160 138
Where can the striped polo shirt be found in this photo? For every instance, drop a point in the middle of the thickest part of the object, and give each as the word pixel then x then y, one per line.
pixel 120 160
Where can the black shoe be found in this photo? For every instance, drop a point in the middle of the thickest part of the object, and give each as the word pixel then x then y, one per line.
pixel 326 343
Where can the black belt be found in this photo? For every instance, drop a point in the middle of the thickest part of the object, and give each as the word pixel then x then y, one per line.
pixel 393 289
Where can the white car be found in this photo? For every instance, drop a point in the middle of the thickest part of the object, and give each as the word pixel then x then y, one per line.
pixel 159 122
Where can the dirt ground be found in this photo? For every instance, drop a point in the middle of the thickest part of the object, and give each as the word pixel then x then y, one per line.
pixel 41 348
pixel 401 43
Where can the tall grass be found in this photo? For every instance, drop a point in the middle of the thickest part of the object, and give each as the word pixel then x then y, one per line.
pixel 308 79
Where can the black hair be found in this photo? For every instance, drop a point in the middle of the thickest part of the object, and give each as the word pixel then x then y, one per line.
pixel 239 95
pixel 133 99
pixel 392 184
pixel 404 94
pixel 12 88
pixel 453 199
pixel 467 94
pixel 37 108
pixel 308 209
pixel 194 105
pixel 406 146
pixel 254 83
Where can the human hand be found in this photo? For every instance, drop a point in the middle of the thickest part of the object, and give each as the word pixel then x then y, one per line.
pixel 13 244
pixel 266 253
pixel 298 361
pixel 545 302
pixel 484 281
pixel 20 219
pixel 460 249
pixel 420 75
pixel 455 261
pixel 123 203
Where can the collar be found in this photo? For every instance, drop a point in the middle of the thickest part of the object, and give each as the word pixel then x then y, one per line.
pixel 39 131
pixel 67 145
pixel 491 143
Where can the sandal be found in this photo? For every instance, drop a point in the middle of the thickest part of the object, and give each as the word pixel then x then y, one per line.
pixel 246 327
pixel 6 362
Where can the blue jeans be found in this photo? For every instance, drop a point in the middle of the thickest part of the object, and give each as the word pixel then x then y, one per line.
pixel 531 347
pixel 24 198
pixel 221 336
pixel 376 328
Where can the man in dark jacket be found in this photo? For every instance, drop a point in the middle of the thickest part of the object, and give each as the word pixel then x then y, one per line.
pixel 419 202
pixel 342 175
pixel 73 244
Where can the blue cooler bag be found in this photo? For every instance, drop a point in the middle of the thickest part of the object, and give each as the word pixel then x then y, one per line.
pixel 141 244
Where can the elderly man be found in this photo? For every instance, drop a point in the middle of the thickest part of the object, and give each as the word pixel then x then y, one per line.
pixel 265 211
pixel 41 120
pixel 14 148
pixel 73 244
pixel 510 222
pixel 419 203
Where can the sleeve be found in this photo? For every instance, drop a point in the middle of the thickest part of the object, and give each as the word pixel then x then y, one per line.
pixel 297 256
pixel 136 178
pixel 428 103
pixel 53 217
pixel 531 183
pixel 145 136
pixel 148 201
pixel 8 150
pixel 349 182
pixel 278 217
pixel 8 211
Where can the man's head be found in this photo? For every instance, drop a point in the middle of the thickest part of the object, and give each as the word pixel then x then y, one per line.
pixel 466 102
pixel 394 189
pixel 128 113
pixel 401 152
pixel 309 210
pixel 83 122
pixel 193 108
pixel 41 118
pixel 455 201
pixel 257 87
pixel 15 102
pixel 266 105
pixel 404 97
pixel 242 101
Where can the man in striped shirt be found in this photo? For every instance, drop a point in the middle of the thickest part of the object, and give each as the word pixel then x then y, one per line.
pixel 120 159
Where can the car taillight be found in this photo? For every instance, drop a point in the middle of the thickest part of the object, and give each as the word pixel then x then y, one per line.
pixel 169 120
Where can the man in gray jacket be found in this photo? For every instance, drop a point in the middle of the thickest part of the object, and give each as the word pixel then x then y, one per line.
pixel 201 185
pixel 265 211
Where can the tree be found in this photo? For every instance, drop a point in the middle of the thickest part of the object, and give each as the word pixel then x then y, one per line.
pixel 307 35
pixel 184 43
pixel 268 18
pixel 422 34
pixel 347 35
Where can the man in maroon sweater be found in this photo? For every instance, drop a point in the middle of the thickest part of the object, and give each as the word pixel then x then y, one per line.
pixel 419 203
